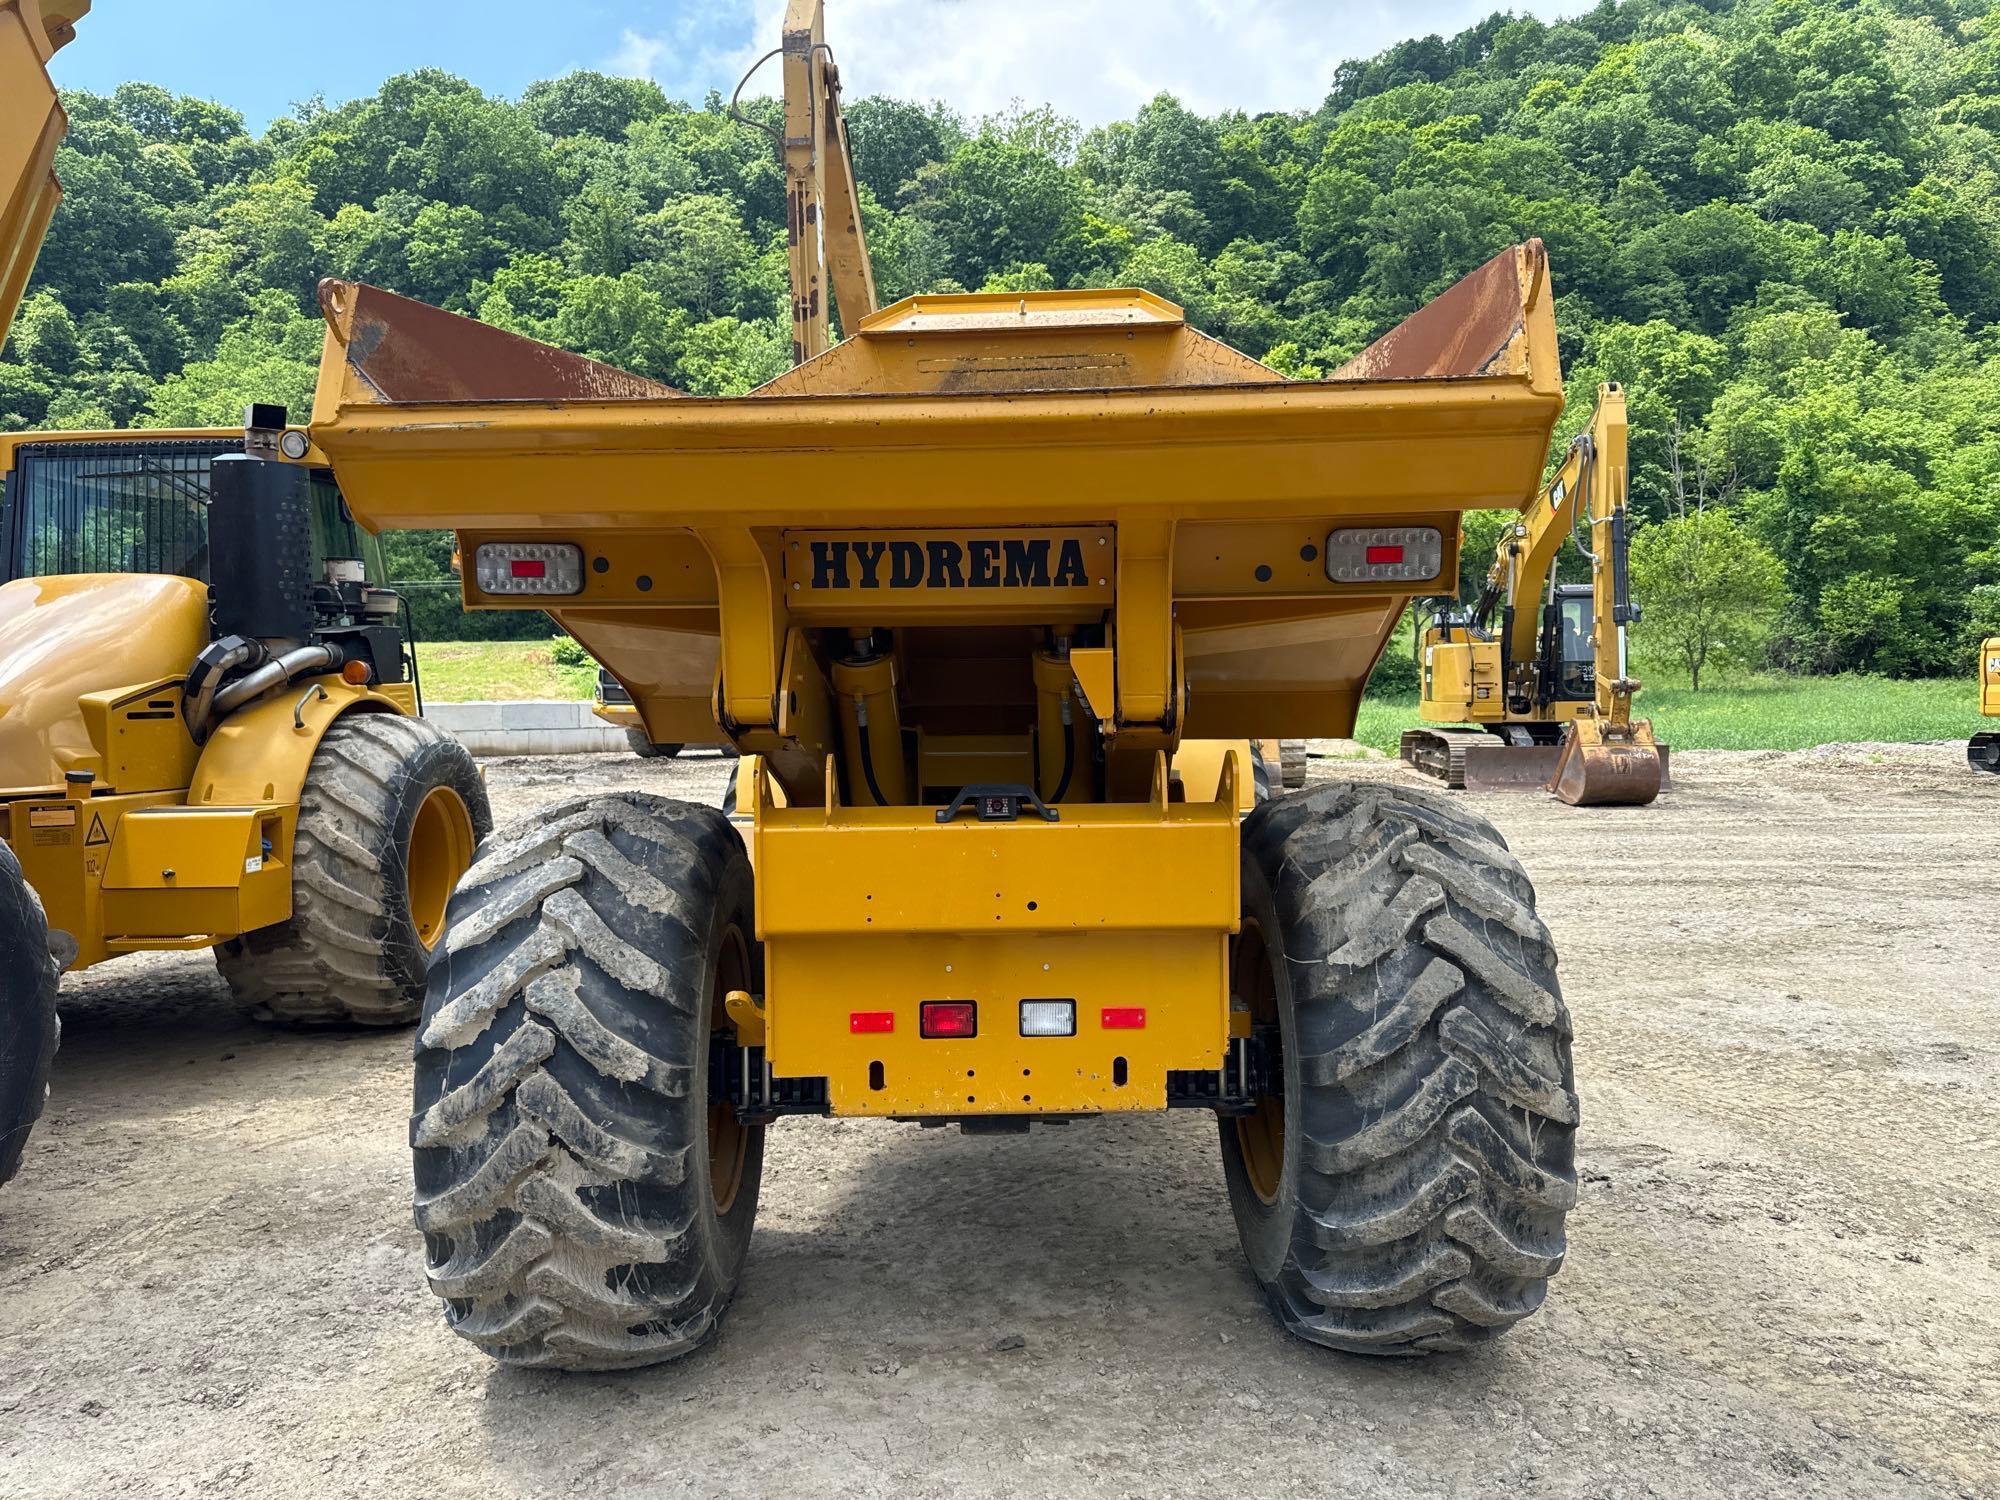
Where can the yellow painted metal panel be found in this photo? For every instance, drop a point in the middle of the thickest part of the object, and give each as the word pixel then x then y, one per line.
pixel 814 984
pixel 141 738
pixel 86 633
pixel 1105 868
pixel 1989 688
pixel 260 754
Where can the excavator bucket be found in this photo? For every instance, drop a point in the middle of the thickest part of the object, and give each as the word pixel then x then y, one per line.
pixel 1607 765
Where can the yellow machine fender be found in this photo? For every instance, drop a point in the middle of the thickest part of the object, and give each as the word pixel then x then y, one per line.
pixel 260 754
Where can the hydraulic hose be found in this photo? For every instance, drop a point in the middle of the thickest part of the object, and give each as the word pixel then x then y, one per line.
pixel 1069 754
pixel 867 752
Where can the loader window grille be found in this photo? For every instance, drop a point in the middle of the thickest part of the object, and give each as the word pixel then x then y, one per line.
pixel 111 508
pixel 140 507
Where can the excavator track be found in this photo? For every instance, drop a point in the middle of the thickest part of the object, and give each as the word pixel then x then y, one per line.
pixel 1440 753
pixel 1983 753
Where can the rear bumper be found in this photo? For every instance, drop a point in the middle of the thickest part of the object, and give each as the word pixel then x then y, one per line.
pixel 1115 907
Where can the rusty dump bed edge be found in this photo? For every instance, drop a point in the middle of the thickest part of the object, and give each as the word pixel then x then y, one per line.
pixel 1048 422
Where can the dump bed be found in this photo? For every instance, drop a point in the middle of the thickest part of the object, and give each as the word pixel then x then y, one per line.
pixel 1204 488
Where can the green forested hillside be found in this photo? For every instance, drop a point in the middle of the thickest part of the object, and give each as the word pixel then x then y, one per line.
pixel 1778 221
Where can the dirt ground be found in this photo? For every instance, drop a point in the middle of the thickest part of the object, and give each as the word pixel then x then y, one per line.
pixel 1784 1274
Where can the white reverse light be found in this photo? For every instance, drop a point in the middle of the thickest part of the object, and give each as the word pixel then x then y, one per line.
pixel 528 568
pixel 1384 554
pixel 1048 1018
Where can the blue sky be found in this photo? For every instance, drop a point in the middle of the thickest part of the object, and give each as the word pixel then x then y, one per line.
pixel 1094 59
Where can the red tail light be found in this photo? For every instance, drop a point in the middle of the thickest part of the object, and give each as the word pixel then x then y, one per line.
pixel 865 1021
pixel 529 568
pixel 1385 555
pixel 1123 1018
pixel 948 1018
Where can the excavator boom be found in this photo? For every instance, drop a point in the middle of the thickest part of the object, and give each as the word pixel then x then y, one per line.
pixel 823 207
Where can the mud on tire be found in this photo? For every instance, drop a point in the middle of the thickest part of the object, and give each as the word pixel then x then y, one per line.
pixel 1406 1189
pixel 28 1024
pixel 391 806
pixel 582 1207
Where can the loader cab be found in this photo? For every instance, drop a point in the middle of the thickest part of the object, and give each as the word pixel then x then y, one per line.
pixel 137 502
pixel 1574 656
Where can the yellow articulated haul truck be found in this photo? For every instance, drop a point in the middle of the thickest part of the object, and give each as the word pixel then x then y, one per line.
pixel 208 734
pixel 994 596
pixel 1984 749
pixel 1529 687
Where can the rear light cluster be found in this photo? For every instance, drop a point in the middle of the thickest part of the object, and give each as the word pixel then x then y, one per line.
pixel 946 1019
pixel 528 568
pixel 1384 554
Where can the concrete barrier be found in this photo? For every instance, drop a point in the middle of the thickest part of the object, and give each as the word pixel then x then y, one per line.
pixel 536 728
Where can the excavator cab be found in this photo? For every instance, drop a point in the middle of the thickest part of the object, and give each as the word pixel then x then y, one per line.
pixel 1572 654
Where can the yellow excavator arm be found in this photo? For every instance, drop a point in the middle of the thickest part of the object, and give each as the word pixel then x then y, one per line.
pixel 823 208
pixel 1585 499
pixel 32 125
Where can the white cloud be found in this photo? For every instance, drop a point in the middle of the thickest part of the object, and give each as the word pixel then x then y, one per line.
pixel 637 55
pixel 1097 60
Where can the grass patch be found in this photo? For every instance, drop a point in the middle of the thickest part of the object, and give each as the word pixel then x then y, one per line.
pixel 1764 713
pixel 505 671
pixel 1748 713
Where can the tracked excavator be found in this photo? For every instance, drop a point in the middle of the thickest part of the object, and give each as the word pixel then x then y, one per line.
pixel 1529 687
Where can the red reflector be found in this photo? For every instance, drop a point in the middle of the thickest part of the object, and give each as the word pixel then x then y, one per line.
pixel 536 568
pixel 936 1018
pixel 871 1020
pixel 1123 1018
pixel 1385 554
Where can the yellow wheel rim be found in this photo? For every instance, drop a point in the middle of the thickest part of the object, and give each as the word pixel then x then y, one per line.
pixel 728 1137
pixel 441 843
pixel 1260 1135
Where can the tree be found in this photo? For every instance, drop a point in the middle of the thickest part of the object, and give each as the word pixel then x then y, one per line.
pixel 1710 591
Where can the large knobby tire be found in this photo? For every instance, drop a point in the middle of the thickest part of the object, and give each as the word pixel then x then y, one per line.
pixel 1982 752
pixel 28 1025
pixel 583 1205
pixel 1405 1189
pixel 389 818
pixel 646 749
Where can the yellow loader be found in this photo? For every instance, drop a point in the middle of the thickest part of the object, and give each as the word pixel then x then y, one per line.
pixel 995 595
pixel 1984 749
pixel 208 728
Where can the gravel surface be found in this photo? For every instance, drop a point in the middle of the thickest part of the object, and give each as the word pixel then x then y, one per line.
pixel 1784 1274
